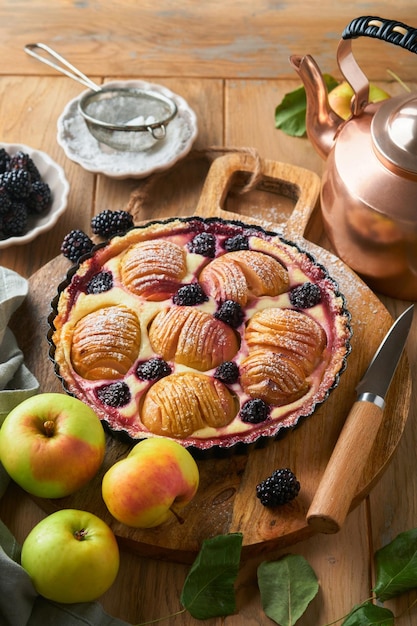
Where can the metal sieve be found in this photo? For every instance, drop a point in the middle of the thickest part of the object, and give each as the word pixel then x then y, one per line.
pixel 125 118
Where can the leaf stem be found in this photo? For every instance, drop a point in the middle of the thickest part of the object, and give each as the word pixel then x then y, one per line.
pixel 162 619
pixel 356 608
pixel 398 79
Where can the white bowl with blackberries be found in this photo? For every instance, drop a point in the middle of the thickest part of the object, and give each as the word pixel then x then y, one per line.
pixel 33 193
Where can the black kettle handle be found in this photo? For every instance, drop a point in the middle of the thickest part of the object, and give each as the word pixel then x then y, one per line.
pixel 391 31
pixel 378 28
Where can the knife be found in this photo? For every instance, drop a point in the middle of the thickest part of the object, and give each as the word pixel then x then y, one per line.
pixel 340 480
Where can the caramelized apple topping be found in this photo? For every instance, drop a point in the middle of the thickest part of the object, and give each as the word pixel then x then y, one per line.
pixel 170 412
pixel 242 275
pixel 154 269
pixel 192 337
pixel 288 332
pixel 275 378
pixel 105 343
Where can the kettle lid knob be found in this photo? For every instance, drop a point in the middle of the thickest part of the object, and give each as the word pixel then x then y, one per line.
pixel 394 132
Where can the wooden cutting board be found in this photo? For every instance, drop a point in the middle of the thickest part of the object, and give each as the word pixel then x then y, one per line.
pixel 226 501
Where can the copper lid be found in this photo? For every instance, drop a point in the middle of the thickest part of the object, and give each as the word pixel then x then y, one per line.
pixel 394 133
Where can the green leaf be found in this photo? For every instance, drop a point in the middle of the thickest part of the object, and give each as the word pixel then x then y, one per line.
pixel 208 590
pixel 396 566
pixel 368 614
pixel 287 587
pixel 290 114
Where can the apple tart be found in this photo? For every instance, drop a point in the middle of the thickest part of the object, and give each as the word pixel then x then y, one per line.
pixel 210 332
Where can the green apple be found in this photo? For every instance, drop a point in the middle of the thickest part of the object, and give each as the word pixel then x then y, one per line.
pixel 52 444
pixel 71 556
pixel 341 96
pixel 146 488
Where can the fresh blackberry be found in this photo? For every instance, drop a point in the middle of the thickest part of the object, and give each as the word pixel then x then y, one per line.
pixel 305 296
pixel 108 223
pixel 279 488
pixel 254 411
pixel 14 222
pixel 75 244
pixel 238 242
pixel 230 312
pixel 227 372
pixel 17 183
pixel 5 201
pixel 114 394
pixel 101 282
pixel 39 198
pixel 4 160
pixel 189 295
pixel 22 161
pixel 153 369
pixel 204 244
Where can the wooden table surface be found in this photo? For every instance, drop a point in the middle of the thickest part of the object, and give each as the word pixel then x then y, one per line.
pixel 229 60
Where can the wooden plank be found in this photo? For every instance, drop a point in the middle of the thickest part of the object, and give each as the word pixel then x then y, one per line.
pixel 393 500
pixel 212 39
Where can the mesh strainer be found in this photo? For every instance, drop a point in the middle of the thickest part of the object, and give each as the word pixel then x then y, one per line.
pixel 124 118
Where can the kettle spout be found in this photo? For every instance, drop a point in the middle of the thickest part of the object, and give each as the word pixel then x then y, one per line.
pixel 321 121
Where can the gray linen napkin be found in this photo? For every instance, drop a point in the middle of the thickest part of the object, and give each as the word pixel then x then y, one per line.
pixel 20 605
pixel 16 382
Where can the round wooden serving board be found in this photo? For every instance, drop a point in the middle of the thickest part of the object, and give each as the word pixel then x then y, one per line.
pixel 226 501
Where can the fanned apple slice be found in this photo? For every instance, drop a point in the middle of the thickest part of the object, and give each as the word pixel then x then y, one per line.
pixel 192 337
pixel 289 332
pixel 153 269
pixel 275 378
pixel 265 276
pixel 223 279
pixel 242 275
pixel 106 343
pixel 170 412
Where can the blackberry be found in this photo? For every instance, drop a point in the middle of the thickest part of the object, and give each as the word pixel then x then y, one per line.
pixel 4 160
pixel 238 242
pixel 101 282
pixel 17 183
pixel 254 411
pixel 227 372
pixel 153 369
pixel 204 244
pixel 279 488
pixel 189 295
pixel 114 394
pixel 75 244
pixel 305 296
pixel 108 223
pixel 230 312
pixel 5 201
pixel 39 197
pixel 14 222
pixel 22 161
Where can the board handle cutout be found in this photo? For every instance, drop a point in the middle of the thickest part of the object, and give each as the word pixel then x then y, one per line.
pixel 303 185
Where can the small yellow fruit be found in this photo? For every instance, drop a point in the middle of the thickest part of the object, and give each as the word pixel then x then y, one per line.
pixel 341 96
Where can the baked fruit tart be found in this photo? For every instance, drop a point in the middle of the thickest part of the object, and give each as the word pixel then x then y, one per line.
pixel 210 332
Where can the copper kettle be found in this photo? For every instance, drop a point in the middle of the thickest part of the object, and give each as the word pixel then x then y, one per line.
pixel 369 185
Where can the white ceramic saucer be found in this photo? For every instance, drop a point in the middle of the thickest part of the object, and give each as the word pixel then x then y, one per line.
pixel 80 146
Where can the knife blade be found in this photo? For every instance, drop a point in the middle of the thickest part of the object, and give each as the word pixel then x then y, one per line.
pixel 337 487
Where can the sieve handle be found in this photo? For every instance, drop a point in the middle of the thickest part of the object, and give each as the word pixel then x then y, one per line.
pixel 65 66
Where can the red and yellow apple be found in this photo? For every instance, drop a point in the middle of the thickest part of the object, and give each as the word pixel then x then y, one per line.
pixel 340 98
pixel 71 556
pixel 156 479
pixel 52 444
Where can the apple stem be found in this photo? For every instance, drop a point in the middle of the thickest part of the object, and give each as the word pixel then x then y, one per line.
pixel 81 535
pixel 179 518
pixel 49 428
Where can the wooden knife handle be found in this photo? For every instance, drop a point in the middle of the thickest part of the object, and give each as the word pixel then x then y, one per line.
pixel 340 480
